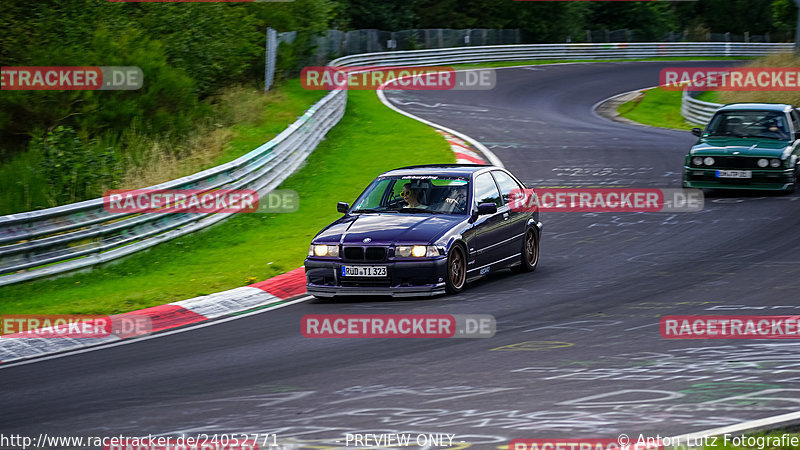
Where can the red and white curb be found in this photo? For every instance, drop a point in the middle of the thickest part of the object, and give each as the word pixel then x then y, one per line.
pixel 464 153
pixel 169 316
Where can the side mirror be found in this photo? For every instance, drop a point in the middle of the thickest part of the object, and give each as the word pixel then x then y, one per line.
pixel 697 132
pixel 487 208
pixel 342 207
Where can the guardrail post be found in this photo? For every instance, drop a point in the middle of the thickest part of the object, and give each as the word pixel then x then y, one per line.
pixel 797 31
pixel 271 56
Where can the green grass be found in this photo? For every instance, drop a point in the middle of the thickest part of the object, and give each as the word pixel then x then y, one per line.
pixel 658 108
pixel 290 101
pixel 709 96
pixel 370 139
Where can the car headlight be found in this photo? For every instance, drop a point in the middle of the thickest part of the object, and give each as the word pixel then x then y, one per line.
pixel 774 162
pixel 417 251
pixel 697 161
pixel 763 162
pixel 323 250
pixel 709 161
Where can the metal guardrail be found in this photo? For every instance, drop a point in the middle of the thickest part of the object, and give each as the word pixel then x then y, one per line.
pixel 69 237
pixel 697 111
pixel 463 55
pixel 56 240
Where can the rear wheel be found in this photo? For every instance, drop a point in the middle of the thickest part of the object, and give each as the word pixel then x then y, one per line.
pixel 530 253
pixel 456 270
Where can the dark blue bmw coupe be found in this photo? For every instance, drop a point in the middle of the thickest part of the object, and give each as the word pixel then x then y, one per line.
pixel 424 230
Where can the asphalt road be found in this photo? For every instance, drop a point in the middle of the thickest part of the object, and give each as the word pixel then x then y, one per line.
pixel 577 354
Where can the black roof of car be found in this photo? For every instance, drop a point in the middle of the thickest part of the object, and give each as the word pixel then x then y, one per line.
pixel 458 170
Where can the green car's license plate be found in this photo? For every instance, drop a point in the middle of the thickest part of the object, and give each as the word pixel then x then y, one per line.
pixel 734 174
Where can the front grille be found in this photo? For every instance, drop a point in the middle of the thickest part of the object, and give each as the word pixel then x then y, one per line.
pixel 375 254
pixel 735 162
pixel 354 253
pixel 372 254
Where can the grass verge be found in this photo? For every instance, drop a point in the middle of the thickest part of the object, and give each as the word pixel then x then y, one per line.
pixel 370 139
pixel 662 108
pixel 658 108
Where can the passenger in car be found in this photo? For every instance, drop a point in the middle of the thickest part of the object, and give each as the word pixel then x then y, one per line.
pixel 411 196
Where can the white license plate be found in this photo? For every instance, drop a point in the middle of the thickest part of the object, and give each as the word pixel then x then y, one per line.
pixel 363 271
pixel 734 174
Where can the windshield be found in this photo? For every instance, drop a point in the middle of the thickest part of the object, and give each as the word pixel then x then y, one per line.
pixel 745 124
pixel 415 194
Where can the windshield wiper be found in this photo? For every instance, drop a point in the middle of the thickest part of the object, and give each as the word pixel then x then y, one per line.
pixel 421 210
pixel 372 210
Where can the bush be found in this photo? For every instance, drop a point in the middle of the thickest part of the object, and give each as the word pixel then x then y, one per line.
pixel 74 171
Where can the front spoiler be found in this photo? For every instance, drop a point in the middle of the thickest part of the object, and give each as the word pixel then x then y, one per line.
pixel 411 291
pixel 766 180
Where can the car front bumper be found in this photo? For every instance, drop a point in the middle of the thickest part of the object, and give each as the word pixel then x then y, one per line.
pixel 780 180
pixel 404 278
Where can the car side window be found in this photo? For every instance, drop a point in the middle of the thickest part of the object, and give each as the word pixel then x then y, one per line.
pixel 795 121
pixel 486 190
pixel 506 183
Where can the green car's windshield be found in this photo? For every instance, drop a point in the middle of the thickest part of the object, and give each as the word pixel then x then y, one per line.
pixel 415 194
pixel 749 124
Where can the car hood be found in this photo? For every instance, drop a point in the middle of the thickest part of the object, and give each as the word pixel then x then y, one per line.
pixel 767 148
pixel 388 229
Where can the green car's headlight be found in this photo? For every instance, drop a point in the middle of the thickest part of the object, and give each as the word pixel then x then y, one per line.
pixel 774 162
pixel 416 251
pixel 697 161
pixel 323 250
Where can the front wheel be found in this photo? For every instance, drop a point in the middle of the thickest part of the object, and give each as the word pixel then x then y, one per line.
pixel 456 270
pixel 530 253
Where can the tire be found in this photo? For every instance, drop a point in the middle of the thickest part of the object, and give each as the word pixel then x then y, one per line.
pixel 456 276
pixel 530 252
